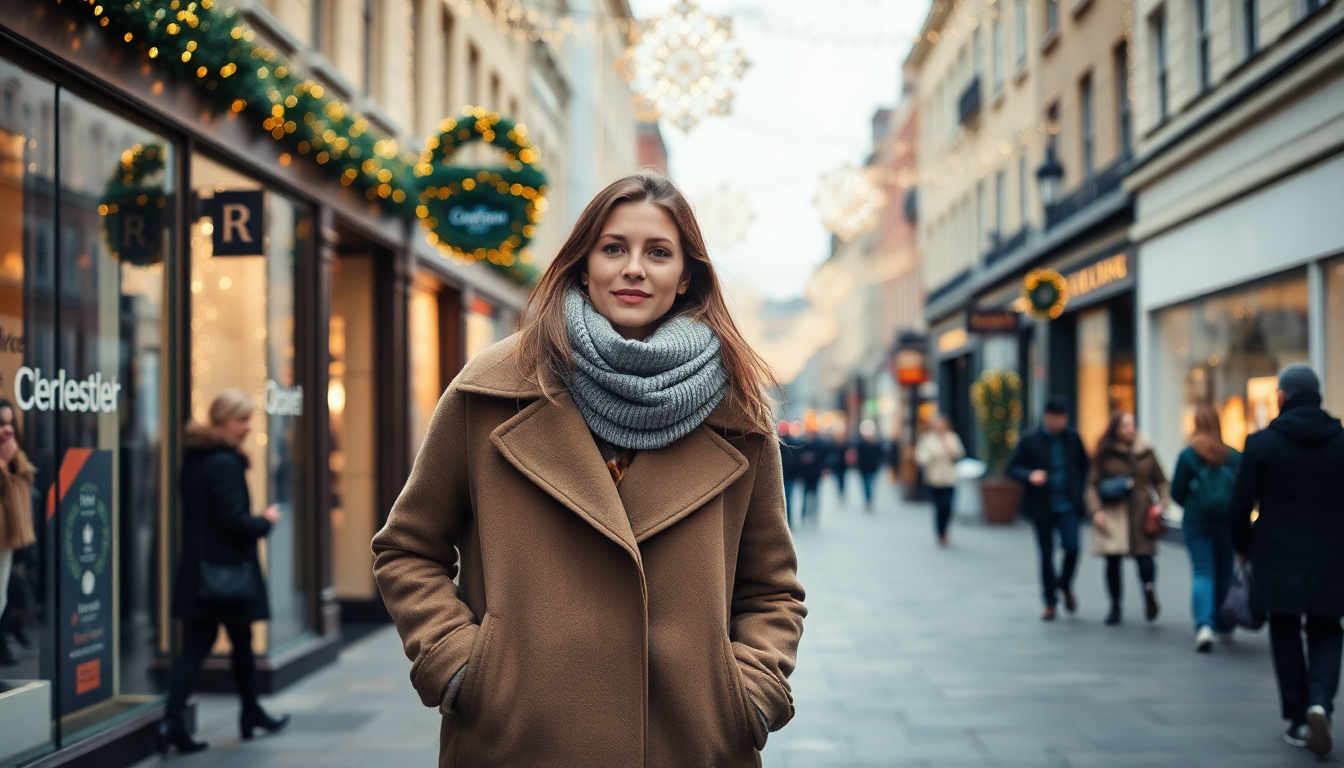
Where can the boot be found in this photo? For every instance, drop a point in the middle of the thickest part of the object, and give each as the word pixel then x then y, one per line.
pixel 173 733
pixel 6 657
pixel 254 717
pixel 1113 618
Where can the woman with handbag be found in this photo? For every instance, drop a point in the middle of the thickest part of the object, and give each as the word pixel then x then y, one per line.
pixel 1127 493
pixel 219 578
pixel 1205 474
pixel 16 510
pixel 606 487
pixel 937 453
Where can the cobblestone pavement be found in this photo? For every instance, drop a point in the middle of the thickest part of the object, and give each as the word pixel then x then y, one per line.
pixel 912 656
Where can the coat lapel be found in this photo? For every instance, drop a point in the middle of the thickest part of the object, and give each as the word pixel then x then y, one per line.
pixel 551 445
pixel 665 485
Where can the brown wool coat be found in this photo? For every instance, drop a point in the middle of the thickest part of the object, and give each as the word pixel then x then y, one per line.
pixel 643 625
pixel 16 504
pixel 1124 534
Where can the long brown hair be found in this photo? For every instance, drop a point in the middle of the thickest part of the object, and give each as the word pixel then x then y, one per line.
pixel 1208 437
pixel 1109 442
pixel 544 341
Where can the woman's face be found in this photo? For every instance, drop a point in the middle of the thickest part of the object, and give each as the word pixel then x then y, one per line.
pixel 1124 431
pixel 236 429
pixel 636 269
pixel 6 425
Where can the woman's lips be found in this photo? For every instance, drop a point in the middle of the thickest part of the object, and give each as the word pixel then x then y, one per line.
pixel 631 297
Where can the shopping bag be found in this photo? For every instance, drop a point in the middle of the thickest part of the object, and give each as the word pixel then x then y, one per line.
pixel 1240 607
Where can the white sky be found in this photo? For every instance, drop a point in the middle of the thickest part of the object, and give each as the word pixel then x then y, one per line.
pixel 803 108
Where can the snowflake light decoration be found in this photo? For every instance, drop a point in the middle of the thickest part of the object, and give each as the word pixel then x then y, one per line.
pixel 682 67
pixel 849 201
pixel 724 216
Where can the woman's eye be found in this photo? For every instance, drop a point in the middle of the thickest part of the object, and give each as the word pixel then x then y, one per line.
pixel 659 253
pixel 612 248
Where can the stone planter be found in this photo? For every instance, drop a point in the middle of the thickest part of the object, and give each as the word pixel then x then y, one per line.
pixel 1000 499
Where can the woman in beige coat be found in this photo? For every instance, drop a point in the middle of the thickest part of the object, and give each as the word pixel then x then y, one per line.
pixel 606 488
pixel 937 453
pixel 16 508
pixel 1118 522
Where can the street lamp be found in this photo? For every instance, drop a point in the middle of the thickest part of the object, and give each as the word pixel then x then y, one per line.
pixel 1049 177
pixel 909 366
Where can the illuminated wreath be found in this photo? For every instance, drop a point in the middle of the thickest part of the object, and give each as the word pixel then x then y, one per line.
pixel 1046 294
pixel 481 213
pixel 132 206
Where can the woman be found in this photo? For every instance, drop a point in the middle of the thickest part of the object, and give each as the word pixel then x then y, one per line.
pixel 937 453
pixel 219 578
pixel 1205 474
pixel 16 509
pixel 1126 482
pixel 606 486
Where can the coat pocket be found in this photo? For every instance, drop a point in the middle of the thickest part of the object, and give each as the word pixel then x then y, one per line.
pixel 476 679
pixel 737 694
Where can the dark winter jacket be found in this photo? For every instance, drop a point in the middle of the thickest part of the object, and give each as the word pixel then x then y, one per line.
pixel 814 458
pixel 1294 471
pixel 788 457
pixel 217 527
pixel 1186 481
pixel 1033 453
pixel 870 456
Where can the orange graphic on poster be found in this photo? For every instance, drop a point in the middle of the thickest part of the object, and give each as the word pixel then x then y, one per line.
pixel 88 676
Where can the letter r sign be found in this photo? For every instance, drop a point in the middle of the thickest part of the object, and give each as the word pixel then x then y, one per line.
pixel 239 219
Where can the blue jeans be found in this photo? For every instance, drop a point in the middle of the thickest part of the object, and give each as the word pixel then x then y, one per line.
pixel 1211 563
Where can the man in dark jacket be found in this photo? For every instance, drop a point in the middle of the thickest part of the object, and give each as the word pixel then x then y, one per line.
pixel 868 455
pixel 1052 464
pixel 812 460
pixel 788 460
pixel 1294 471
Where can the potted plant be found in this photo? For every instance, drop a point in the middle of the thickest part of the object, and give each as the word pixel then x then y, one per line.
pixel 997 397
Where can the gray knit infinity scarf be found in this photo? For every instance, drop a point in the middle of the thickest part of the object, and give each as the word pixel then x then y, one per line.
pixel 646 394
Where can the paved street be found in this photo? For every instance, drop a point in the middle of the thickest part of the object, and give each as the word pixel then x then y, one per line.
pixel 913 656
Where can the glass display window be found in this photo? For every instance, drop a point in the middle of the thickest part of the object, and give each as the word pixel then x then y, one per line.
pixel 351 407
pixel 246 248
pixel 1334 337
pixel 426 351
pixel 86 248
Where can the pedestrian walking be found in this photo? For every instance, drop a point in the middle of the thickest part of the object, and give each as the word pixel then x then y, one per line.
pixel 1126 489
pixel 587 480
pixel 219 579
pixel 1051 463
pixel 16 512
pixel 937 453
pixel 1294 472
pixel 868 457
pixel 1202 484
pixel 839 462
pixel 813 457
pixel 788 460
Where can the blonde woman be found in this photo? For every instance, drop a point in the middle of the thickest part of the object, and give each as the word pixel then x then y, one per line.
pixel 606 488
pixel 219 579
pixel 937 453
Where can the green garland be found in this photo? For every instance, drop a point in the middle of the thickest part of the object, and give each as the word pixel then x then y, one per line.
pixel 517 187
pixel 135 189
pixel 199 43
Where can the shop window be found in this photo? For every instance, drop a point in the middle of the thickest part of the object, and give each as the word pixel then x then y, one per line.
pixel 243 337
pixel 1334 337
pixel 350 404
pixel 426 377
pixel 482 328
pixel 90 594
pixel 1227 350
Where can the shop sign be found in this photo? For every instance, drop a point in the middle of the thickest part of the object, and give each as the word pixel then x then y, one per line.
pixel 952 340
pixel 283 401
pixel 85 524
pixel 991 322
pixel 1098 275
pixel 239 219
pixel 91 395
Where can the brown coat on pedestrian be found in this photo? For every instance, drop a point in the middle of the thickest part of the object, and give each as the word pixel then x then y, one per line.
pixel 1123 533
pixel 16 503
pixel 640 625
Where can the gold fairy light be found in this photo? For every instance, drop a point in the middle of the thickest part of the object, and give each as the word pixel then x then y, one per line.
pixel 849 201
pixel 683 66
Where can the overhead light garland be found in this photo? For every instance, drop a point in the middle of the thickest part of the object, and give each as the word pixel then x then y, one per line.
pixel 724 216
pixel 201 44
pixel 683 66
pixel 850 201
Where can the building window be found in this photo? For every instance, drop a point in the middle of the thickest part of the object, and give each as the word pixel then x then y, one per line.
pixel 1021 32
pixel 1051 16
pixel 370 45
pixel 1157 27
pixel 1052 126
pixel 1250 28
pixel 1000 57
pixel 1000 192
pixel 981 240
pixel 978 54
pixel 1086 123
pixel 473 76
pixel 1023 190
pixel 1122 103
pixel 1311 6
pixel 446 106
pixel 1202 42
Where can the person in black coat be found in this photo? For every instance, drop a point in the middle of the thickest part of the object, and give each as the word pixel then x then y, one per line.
pixel 1294 471
pixel 868 456
pixel 813 458
pixel 1052 465
pixel 218 530
pixel 788 461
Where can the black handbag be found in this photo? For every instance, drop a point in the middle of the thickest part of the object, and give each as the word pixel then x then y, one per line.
pixel 1115 488
pixel 225 583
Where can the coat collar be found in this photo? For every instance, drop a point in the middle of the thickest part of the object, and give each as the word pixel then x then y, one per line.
pixel 549 443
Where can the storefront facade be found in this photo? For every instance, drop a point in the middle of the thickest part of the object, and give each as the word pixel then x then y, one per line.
pixel 152 254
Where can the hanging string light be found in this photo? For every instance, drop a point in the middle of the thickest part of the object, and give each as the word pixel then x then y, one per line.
pixel 683 66
pixel 850 201
pixel 724 216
